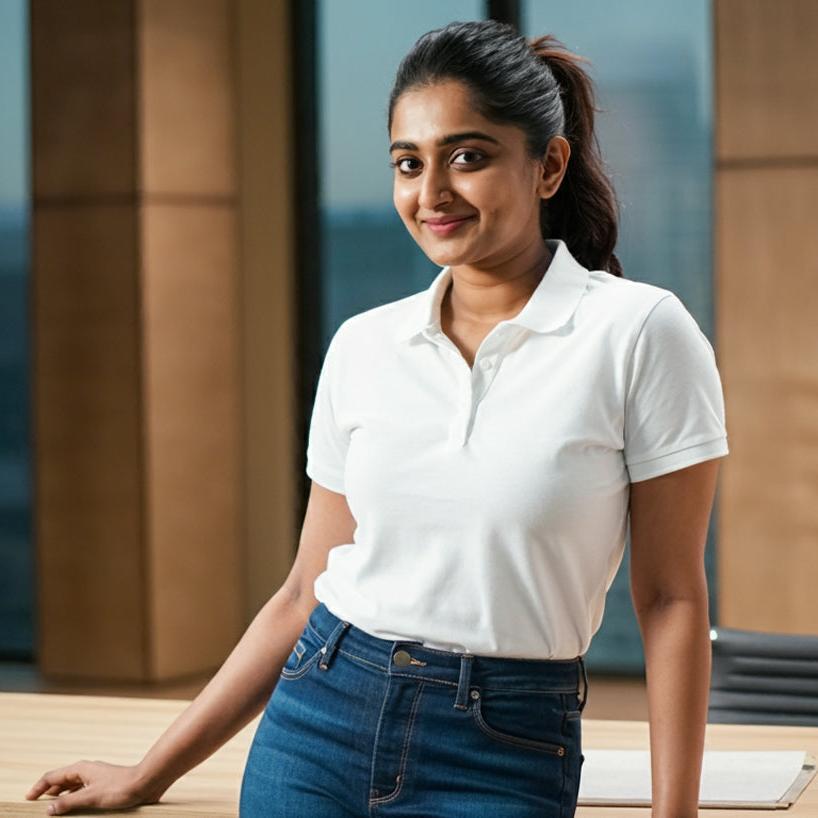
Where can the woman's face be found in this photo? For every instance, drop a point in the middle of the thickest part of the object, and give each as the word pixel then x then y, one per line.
pixel 449 161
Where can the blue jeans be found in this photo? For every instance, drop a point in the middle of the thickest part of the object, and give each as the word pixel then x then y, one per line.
pixel 361 726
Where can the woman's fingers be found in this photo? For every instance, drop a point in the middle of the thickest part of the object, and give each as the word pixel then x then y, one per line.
pixel 86 797
pixel 56 789
pixel 55 781
pixel 88 784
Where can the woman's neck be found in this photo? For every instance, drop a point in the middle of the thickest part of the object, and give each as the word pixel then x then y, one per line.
pixel 480 298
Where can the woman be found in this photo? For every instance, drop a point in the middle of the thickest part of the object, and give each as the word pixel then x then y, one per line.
pixel 477 450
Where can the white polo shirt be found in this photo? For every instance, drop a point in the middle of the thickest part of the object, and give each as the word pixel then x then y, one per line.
pixel 492 502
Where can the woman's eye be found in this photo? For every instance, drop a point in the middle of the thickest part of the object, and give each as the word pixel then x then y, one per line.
pixel 401 167
pixel 470 156
pixel 476 154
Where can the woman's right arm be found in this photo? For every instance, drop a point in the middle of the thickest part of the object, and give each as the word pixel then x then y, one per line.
pixel 233 697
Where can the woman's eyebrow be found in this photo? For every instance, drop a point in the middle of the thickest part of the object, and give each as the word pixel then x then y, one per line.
pixel 446 140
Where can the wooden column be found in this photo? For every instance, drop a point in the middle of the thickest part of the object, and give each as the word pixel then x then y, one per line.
pixel 767 311
pixel 136 317
pixel 273 454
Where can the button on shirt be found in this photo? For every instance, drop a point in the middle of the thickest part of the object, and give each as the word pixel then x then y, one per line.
pixel 491 501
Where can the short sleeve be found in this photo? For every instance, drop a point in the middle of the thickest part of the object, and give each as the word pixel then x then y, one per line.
pixel 327 443
pixel 674 407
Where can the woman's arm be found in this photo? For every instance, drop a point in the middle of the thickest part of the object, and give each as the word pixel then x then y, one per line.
pixel 670 515
pixel 234 696
pixel 231 699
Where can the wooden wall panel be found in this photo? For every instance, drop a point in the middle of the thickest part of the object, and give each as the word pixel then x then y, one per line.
pixel 767 312
pixel 87 441
pixel 191 392
pixel 268 303
pixel 187 97
pixel 768 349
pixel 83 99
pixel 766 79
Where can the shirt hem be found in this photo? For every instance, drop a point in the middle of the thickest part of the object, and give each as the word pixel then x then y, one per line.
pixel 681 458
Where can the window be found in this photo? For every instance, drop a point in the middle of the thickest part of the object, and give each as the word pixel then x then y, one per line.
pixel 368 257
pixel 16 536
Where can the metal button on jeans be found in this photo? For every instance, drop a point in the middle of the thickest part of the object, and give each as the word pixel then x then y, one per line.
pixel 401 658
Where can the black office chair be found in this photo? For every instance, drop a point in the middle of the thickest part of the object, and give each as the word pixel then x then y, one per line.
pixel 763 678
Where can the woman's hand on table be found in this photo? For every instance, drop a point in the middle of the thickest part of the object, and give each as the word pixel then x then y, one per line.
pixel 93 784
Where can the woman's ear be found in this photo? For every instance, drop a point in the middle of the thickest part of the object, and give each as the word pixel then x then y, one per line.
pixel 553 166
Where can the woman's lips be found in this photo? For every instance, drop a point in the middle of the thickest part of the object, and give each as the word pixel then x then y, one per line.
pixel 444 228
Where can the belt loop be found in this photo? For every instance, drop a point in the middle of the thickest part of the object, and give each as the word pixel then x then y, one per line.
pixel 585 684
pixel 463 681
pixel 329 648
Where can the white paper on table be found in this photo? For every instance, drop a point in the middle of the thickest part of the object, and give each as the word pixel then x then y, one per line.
pixel 730 778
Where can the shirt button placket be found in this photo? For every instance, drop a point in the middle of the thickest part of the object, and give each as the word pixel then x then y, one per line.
pixel 477 385
pixel 464 421
pixel 460 430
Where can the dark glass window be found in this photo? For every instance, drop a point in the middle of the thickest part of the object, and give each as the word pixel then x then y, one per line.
pixel 16 544
pixel 368 258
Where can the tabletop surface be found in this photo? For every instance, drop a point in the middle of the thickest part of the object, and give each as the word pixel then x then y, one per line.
pixel 40 731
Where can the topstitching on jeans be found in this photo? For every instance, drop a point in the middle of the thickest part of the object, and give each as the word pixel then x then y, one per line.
pixel 361 659
pixel 381 799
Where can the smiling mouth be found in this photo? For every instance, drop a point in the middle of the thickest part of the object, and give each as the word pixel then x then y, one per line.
pixel 444 228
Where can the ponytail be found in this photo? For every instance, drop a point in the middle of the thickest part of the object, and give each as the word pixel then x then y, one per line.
pixel 584 210
pixel 540 87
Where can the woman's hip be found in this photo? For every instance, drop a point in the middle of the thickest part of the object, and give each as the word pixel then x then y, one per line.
pixel 363 725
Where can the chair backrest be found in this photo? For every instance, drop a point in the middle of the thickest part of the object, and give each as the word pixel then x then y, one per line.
pixel 763 678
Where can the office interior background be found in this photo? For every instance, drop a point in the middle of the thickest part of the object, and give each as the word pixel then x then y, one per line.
pixel 195 193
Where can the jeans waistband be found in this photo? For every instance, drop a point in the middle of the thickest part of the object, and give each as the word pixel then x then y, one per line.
pixel 409 658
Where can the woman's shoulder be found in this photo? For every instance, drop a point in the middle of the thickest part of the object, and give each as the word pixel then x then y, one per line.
pixel 625 302
pixel 628 310
pixel 378 323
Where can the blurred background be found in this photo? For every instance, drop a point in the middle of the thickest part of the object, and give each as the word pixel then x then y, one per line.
pixel 194 194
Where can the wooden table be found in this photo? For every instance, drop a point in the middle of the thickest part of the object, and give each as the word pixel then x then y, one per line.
pixel 40 731
pixel 633 735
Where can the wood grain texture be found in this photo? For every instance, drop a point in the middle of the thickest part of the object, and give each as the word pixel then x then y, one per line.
pixel 766 269
pixel 272 448
pixel 46 731
pixel 186 97
pixel 83 99
pixel 766 79
pixel 768 349
pixel 191 420
pixel 87 442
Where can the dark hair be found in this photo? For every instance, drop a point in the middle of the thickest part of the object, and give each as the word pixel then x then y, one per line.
pixel 539 86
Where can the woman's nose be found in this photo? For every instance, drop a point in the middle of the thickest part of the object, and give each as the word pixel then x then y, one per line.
pixel 434 190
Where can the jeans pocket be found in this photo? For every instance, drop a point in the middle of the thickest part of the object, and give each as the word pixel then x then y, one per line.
pixel 305 653
pixel 526 719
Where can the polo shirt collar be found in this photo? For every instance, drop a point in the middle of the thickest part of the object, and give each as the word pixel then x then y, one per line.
pixel 550 306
